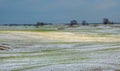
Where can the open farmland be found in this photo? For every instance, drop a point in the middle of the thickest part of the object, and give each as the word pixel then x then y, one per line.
pixel 82 48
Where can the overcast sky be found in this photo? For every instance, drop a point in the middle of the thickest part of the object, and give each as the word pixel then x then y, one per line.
pixel 58 11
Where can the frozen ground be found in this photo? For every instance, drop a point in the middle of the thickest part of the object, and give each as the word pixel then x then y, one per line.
pixel 84 48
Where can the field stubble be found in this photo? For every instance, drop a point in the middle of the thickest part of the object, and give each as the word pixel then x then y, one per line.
pixel 72 49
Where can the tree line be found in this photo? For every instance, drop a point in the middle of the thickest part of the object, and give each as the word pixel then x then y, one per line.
pixel 72 23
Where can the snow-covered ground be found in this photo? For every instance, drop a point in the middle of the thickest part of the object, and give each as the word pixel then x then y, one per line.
pixel 84 48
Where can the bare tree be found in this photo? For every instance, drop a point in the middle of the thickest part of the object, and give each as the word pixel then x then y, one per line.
pixel 106 21
pixel 84 22
pixel 39 24
pixel 73 22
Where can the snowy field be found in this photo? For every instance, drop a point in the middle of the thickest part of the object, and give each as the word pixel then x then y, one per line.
pixel 60 48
